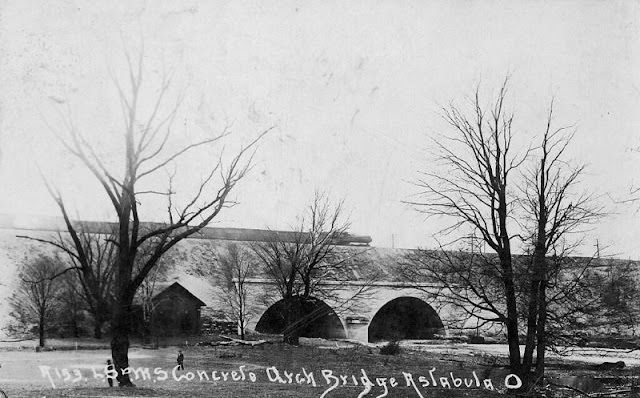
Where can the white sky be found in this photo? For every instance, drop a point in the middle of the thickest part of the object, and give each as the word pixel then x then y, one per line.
pixel 352 88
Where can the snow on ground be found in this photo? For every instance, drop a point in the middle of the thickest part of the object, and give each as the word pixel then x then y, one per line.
pixel 582 354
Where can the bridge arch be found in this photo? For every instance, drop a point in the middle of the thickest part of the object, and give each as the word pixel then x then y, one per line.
pixel 405 318
pixel 317 319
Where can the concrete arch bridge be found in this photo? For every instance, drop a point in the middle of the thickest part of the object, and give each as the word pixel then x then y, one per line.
pixel 371 304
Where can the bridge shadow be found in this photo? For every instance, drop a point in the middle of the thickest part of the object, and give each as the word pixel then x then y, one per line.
pixel 405 318
pixel 316 319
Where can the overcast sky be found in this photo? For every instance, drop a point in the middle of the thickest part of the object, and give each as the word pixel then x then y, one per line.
pixel 352 89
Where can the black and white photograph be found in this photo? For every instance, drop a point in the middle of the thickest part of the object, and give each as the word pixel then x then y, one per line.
pixel 323 199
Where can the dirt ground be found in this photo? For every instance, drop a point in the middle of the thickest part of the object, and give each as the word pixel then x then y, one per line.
pixel 317 369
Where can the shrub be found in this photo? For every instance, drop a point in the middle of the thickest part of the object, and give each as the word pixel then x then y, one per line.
pixel 476 339
pixel 391 348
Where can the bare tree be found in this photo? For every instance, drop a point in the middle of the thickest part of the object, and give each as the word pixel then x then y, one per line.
pixel 306 264
pixel 146 152
pixel 37 292
pixel 71 311
pixel 91 252
pixel 235 266
pixel 556 210
pixel 479 191
pixel 475 192
pixel 620 297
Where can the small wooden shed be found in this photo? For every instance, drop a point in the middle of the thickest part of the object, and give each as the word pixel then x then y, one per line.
pixel 177 312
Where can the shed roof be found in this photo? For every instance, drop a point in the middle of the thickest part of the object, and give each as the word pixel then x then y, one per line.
pixel 178 288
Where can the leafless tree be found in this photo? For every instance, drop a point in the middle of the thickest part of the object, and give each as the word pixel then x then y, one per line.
pixel 37 292
pixel 482 191
pixel 475 191
pixel 306 264
pixel 91 252
pixel 71 311
pixel 235 266
pixel 147 151
pixel 619 297
pixel 555 211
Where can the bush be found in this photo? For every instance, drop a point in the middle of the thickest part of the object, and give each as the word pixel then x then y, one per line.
pixel 391 348
pixel 475 339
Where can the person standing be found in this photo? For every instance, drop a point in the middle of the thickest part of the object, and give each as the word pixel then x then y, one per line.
pixel 180 360
pixel 110 371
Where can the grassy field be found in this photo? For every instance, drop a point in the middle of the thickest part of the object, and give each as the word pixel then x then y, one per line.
pixel 274 370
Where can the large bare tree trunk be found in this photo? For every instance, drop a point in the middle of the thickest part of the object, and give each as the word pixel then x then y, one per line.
pixel 537 300
pixel 506 262
pixel 537 306
pixel 121 325
pixel 293 311
pixel 542 321
pixel 41 330
pixel 537 292
pixel 241 322
pixel 513 339
pixel 532 322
